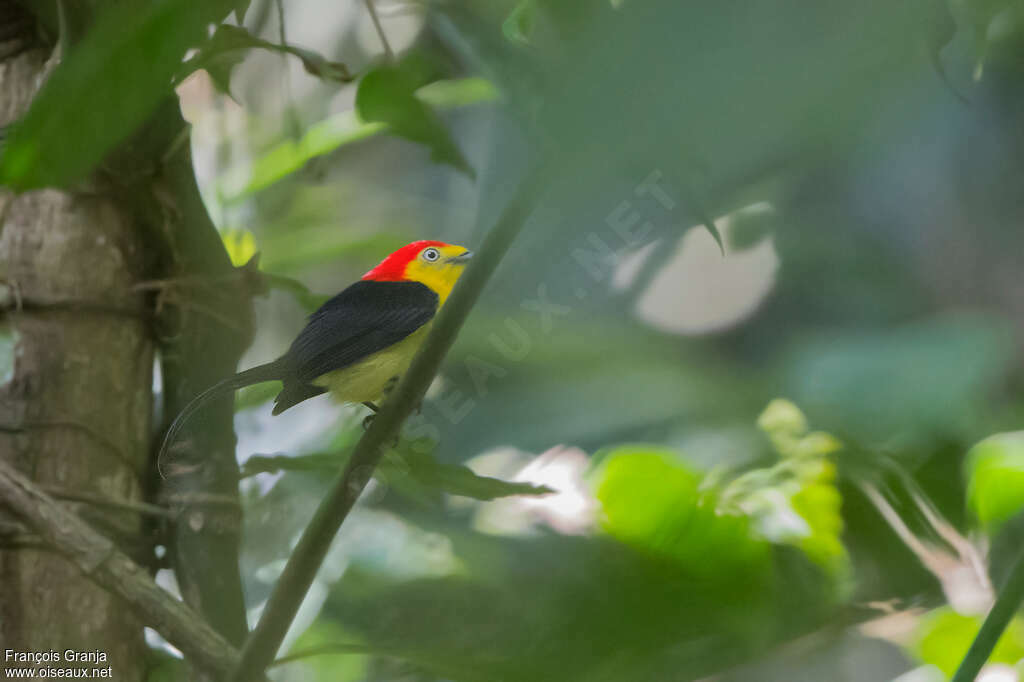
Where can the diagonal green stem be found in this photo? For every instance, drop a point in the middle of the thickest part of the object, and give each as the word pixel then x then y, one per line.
pixel 1007 603
pixel 264 641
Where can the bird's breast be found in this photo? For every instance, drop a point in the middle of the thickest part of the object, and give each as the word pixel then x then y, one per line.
pixel 366 379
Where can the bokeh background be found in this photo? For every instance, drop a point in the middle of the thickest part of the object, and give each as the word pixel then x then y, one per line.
pixel 787 455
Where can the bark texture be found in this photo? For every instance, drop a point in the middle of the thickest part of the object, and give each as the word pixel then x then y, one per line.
pixel 212 326
pixel 96 556
pixel 75 395
pixel 91 279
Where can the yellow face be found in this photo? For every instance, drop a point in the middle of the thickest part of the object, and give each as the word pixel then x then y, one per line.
pixel 439 267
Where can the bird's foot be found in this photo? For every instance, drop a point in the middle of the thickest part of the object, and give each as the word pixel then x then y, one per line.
pixel 368 420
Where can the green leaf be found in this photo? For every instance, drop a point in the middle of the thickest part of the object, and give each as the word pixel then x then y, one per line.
pixel 337 131
pixel 319 461
pixel 218 65
pixel 995 478
pixel 241 8
pixel 240 244
pixel 750 225
pixel 786 426
pixel 387 94
pixel 105 88
pixel 781 418
pixel 323 635
pixel 519 23
pixel 943 637
pixel 819 503
pixel 421 470
pixel 796 501
pixel 454 479
pixel 652 501
pixel 224 51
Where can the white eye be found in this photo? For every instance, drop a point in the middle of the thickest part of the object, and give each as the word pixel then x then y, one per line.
pixel 430 255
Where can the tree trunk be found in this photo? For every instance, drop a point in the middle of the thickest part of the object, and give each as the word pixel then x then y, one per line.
pixel 76 398
pixel 75 395
pixel 213 327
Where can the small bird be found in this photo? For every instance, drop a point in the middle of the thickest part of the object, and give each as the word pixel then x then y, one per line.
pixel 358 343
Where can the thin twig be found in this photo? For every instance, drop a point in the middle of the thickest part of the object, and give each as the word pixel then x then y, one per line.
pixel 282 35
pixel 926 554
pixel 380 30
pixel 294 124
pixel 98 557
pixel 179 142
pixel 264 641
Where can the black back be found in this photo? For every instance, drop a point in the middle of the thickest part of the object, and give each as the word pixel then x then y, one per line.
pixel 364 318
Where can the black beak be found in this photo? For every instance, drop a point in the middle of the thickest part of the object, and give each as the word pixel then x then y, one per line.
pixel 461 258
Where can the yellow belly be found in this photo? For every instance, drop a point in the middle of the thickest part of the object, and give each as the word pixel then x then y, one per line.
pixel 366 379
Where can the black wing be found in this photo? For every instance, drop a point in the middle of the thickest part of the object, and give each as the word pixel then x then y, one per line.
pixel 363 319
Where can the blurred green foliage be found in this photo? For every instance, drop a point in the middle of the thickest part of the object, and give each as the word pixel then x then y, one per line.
pixel 657 505
pixel 519 23
pixel 103 89
pixel 863 162
pixel 995 478
pixel 387 94
pixel 802 486
pixel 693 584
pixel 341 129
pixel 240 245
pixel 325 665
pixel 923 380
pixel 943 636
pixel 413 473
